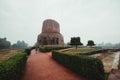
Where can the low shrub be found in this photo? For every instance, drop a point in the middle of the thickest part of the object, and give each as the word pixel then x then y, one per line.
pixel 93 52
pixel 48 49
pixel 45 49
pixel 91 68
pixel 12 68
pixel 28 50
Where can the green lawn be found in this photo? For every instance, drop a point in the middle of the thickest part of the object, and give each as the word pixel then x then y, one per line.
pixel 81 50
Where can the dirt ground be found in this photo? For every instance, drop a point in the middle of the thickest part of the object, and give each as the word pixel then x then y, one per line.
pixel 114 75
pixel 6 53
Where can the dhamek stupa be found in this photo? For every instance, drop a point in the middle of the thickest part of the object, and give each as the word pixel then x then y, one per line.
pixel 50 34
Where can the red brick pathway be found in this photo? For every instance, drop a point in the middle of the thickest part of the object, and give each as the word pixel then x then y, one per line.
pixel 41 66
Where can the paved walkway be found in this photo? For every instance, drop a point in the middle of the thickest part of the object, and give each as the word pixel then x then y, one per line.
pixel 41 66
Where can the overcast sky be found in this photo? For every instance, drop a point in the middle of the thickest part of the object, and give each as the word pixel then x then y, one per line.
pixel 97 20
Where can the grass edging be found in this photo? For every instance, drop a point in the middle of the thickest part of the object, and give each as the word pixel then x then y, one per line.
pixel 91 68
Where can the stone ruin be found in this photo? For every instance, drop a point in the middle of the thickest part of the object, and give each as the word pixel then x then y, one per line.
pixel 50 35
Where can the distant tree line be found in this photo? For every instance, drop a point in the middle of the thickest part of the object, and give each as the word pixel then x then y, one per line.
pixel 109 45
pixel 19 44
pixel 4 44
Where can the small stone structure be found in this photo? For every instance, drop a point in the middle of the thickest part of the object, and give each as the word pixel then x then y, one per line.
pixel 50 35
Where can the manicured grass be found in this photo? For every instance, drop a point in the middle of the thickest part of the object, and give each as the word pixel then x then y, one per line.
pixel 81 50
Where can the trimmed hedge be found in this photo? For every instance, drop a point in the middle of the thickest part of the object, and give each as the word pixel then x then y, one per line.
pixel 91 68
pixel 48 49
pixel 12 68
pixel 93 52
pixel 44 49
pixel 28 50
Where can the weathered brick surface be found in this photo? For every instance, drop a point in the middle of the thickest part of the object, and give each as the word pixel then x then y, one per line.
pixel 50 34
pixel 50 26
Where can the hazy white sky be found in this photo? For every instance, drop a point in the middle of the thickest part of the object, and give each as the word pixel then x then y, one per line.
pixel 97 20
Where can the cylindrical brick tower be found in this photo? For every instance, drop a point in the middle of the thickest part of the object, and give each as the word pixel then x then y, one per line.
pixel 50 34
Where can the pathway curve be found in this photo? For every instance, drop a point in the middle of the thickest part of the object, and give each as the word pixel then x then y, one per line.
pixel 41 66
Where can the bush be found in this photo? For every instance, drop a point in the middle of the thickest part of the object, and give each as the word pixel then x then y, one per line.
pixel 89 67
pixel 28 50
pixel 12 68
pixel 48 49
pixel 93 52
pixel 45 49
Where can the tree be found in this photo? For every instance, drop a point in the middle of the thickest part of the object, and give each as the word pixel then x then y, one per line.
pixel 90 43
pixel 20 44
pixel 75 41
pixel 4 44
